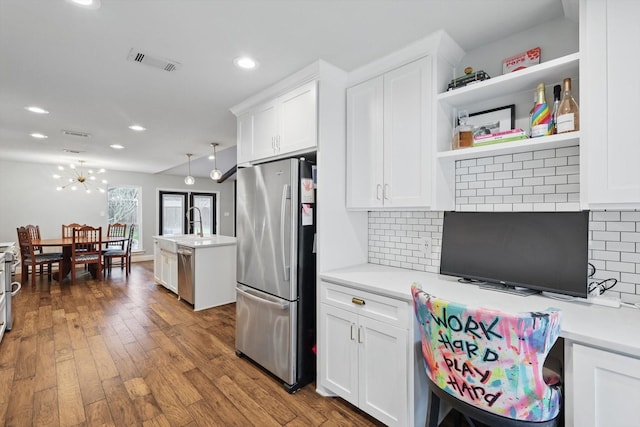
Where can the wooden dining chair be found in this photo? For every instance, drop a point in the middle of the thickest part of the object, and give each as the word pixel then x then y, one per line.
pixel 86 248
pixel 34 232
pixel 116 230
pixel 67 230
pixel 34 261
pixel 124 255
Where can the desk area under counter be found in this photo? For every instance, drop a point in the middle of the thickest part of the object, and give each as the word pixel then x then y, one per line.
pixel 601 345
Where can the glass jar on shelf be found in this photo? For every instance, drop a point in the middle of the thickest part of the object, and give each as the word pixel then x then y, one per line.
pixel 463 133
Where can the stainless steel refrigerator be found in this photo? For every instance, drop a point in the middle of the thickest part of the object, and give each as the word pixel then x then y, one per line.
pixel 276 291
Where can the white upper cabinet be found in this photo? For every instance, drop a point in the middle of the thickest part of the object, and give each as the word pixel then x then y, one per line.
pixel 245 137
pixel 612 146
pixel 298 119
pixel 265 129
pixel 388 150
pixel 364 147
pixel 284 125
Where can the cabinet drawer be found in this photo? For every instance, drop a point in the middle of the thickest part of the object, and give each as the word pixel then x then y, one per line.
pixel 374 306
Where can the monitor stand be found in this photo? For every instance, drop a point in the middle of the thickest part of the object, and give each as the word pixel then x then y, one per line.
pixel 499 287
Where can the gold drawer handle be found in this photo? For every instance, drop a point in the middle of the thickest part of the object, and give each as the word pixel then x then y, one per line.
pixel 357 301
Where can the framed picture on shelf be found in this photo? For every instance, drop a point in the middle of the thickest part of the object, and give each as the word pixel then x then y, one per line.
pixel 493 120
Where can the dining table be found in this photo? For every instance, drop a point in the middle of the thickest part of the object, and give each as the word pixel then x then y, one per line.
pixel 66 242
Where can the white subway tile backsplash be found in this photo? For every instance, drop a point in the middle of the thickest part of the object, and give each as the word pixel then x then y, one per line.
pixel 630 216
pixel 544 154
pixel 542 171
pixel 630 237
pixel 568 151
pixel 546 180
pixel 533 164
pixel 520 157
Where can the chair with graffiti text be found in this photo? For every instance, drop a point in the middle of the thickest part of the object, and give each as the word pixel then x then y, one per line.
pixel 487 364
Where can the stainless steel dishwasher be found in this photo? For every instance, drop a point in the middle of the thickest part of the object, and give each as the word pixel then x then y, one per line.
pixel 186 273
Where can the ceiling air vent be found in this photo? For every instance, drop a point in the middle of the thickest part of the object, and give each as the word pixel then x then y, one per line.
pixel 136 55
pixel 76 133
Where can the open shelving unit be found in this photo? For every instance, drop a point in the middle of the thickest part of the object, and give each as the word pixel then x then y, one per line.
pixel 506 86
pixel 529 144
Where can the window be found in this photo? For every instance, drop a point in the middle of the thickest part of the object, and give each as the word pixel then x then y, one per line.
pixel 125 207
pixel 175 218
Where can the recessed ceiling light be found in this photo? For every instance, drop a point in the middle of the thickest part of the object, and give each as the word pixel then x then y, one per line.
pixel 39 136
pixel 89 4
pixel 137 128
pixel 117 146
pixel 245 62
pixel 36 110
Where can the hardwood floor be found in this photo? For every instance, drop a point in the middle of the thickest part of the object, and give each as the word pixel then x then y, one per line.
pixel 127 352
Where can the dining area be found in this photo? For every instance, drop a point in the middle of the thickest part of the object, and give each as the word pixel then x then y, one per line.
pixel 80 251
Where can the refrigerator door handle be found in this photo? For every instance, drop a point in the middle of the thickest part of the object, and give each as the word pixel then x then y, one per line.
pixel 286 194
pixel 251 296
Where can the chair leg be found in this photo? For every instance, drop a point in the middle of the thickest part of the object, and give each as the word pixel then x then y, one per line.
pixel 33 275
pixel 433 411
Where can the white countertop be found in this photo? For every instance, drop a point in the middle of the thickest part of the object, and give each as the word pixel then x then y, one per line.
pixel 614 329
pixel 195 241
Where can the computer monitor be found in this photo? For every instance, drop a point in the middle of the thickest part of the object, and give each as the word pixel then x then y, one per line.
pixel 541 251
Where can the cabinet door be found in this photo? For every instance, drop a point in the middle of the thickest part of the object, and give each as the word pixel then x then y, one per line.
pixel 172 272
pixel 265 121
pixel 613 147
pixel 298 119
pixel 157 262
pixel 606 388
pixel 245 137
pixel 364 144
pixel 383 361
pixel 339 352
pixel 407 152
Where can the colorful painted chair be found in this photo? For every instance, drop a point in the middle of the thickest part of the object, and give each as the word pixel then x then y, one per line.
pixel 487 364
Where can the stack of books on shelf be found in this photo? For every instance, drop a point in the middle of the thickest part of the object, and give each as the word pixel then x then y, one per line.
pixel 497 137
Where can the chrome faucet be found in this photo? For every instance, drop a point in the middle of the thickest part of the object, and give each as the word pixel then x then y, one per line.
pixel 199 218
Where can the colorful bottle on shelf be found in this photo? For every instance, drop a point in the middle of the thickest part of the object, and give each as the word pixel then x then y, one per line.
pixel 541 118
pixel 533 108
pixel 568 111
pixel 557 90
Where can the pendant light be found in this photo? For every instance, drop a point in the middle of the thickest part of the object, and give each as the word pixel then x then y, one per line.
pixel 189 180
pixel 215 174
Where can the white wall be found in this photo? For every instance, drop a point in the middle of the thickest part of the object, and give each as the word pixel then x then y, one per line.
pixel 30 197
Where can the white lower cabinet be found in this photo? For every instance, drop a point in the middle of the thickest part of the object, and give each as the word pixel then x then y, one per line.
pixel 165 268
pixel 364 352
pixel 605 388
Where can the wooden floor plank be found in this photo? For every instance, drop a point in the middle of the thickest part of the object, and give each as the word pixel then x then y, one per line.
pixel 26 364
pixel 20 407
pixel 98 414
pixel 45 408
pixel 255 413
pixel 88 377
pixel 6 383
pixel 45 361
pixel 122 409
pixel 70 404
pixel 104 362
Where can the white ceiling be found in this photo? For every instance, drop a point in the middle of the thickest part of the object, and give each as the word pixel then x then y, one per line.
pixel 72 61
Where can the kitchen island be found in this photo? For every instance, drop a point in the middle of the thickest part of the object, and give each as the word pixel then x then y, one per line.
pixel 200 270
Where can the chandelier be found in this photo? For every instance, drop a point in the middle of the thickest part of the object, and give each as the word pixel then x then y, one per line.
pixel 77 178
